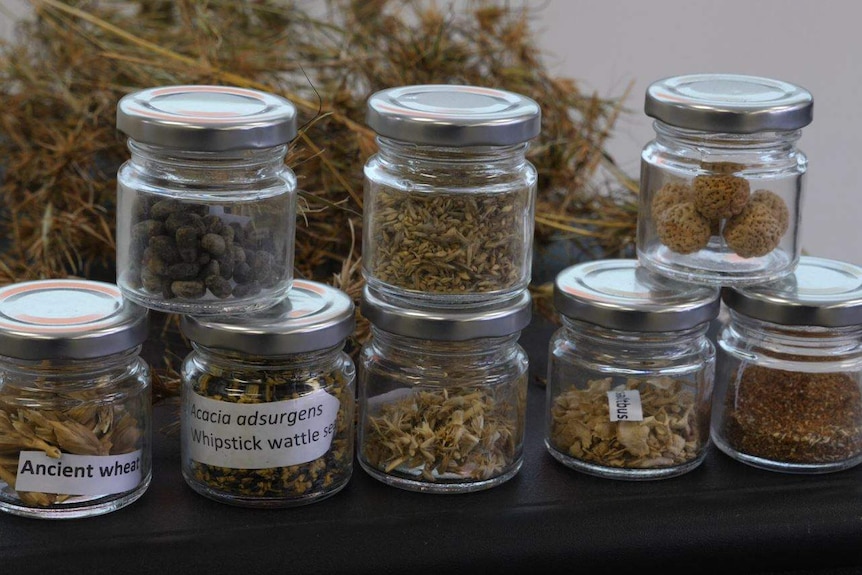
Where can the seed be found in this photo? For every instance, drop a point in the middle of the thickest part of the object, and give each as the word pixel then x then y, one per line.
pixel 178 241
pixel 188 289
pixel 445 242
pixel 214 244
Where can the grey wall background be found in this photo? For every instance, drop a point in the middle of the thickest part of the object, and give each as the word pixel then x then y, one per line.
pixel 609 44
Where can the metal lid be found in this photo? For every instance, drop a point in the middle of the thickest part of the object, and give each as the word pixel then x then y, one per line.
pixel 68 319
pixel 207 118
pixel 449 115
pixel 620 294
pixel 820 292
pixel 450 324
pixel 729 103
pixel 313 316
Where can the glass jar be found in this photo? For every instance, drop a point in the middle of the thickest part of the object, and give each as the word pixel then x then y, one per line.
pixel 206 206
pixel 722 183
pixel 630 372
pixel 787 395
pixel 450 196
pixel 442 396
pixel 75 400
pixel 268 401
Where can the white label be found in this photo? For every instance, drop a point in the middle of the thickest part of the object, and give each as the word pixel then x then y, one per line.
pixel 78 474
pixel 259 435
pixel 625 405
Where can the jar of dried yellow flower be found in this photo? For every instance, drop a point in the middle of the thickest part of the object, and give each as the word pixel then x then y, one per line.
pixel 75 405
pixel 630 372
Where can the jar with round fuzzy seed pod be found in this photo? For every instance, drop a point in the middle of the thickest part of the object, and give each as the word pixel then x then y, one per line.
pixel 722 183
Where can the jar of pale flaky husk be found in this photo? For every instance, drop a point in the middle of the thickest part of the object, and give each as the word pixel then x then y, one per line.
pixel 75 405
pixel 630 372
pixel 450 196
pixel 268 401
pixel 787 394
pixel 442 396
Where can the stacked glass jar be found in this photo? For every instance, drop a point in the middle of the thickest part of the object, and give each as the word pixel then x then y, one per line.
pixel 206 223
pixel 75 405
pixel 630 372
pixel 722 183
pixel 206 207
pixel 447 251
pixel 721 193
pixel 720 207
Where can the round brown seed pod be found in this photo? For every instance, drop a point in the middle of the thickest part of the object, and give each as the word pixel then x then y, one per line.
pixel 776 204
pixel 668 195
pixel 722 167
pixel 682 229
pixel 754 232
pixel 718 197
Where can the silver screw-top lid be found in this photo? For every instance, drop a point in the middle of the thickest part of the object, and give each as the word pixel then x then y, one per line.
pixel 729 103
pixel 620 294
pixel 449 324
pixel 68 319
pixel 207 118
pixel 451 115
pixel 820 292
pixel 312 317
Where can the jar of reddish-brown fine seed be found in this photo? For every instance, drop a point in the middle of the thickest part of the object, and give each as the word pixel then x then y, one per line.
pixel 787 395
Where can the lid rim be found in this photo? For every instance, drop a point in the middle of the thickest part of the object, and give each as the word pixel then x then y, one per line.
pixel 508 318
pixel 398 113
pixel 582 294
pixel 95 332
pixel 789 302
pixel 278 333
pixel 669 100
pixel 274 125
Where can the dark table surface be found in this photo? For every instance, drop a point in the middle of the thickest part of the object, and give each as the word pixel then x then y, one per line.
pixel 723 517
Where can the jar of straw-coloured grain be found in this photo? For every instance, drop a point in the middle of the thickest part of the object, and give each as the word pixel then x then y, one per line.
pixel 75 405
pixel 787 394
pixel 268 401
pixel 450 196
pixel 442 396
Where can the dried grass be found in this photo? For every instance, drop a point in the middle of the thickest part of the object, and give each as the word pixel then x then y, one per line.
pixel 60 81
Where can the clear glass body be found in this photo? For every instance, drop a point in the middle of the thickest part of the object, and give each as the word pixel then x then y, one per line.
pixel 81 429
pixel 720 209
pixel 593 427
pixel 787 398
pixel 448 226
pixel 283 426
pixel 442 416
pixel 205 233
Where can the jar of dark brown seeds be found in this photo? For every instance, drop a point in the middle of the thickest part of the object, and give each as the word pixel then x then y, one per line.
pixel 268 401
pixel 450 196
pixel 723 181
pixel 206 205
pixel 75 403
pixel 442 396
pixel 787 394
pixel 630 372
